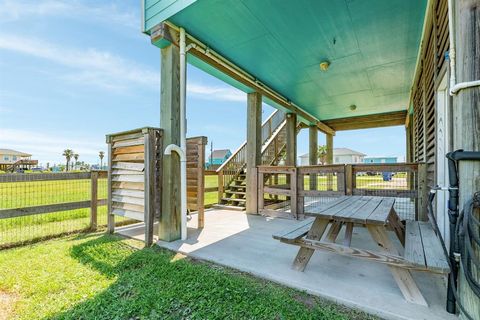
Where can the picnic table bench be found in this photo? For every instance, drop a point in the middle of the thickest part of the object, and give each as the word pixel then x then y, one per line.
pixel 422 249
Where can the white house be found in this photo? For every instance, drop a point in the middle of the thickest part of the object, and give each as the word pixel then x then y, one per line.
pixel 9 157
pixel 340 155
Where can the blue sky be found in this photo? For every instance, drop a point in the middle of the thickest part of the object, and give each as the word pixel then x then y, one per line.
pixel 73 71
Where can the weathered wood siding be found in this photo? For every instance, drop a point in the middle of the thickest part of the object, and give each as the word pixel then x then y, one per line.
pixel 196 176
pixel 430 70
pixel 134 176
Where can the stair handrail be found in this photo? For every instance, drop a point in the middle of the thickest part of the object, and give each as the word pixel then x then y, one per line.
pixel 272 121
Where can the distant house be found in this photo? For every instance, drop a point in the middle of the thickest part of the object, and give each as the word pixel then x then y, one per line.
pixel 340 155
pixel 10 160
pixel 217 158
pixel 380 160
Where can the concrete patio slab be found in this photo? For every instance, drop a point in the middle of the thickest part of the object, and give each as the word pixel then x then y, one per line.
pixel 245 242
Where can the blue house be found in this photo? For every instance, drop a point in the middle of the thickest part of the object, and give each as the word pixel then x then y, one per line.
pixel 217 158
pixel 380 160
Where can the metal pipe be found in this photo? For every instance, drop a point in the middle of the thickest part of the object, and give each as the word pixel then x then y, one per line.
pixel 183 132
pixel 455 87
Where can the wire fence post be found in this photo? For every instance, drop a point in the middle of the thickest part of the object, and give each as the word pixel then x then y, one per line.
pixel 94 200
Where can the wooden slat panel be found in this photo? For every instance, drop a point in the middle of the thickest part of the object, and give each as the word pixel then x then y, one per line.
pixel 127 143
pixel 128 185
pixel 380 214
pixel 129 178
pixel 361 215
pixel 129 157
pixel 128 206
pixel 434 256
pixel 413 244
pixel 130 136
pixel 130 149
pixel 129 166
pixel 129 214
pixel 296 231
pixel 124 172
pixel 128 193
pixel 352 209
pixel 129 200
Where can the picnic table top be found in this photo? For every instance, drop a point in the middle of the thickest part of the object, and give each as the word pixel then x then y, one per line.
pixel 356 209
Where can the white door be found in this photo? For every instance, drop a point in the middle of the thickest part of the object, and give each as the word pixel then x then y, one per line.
pixel 441 203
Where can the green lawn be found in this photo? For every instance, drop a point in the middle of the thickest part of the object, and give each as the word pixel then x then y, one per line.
pixel 106 277
pixel 35 193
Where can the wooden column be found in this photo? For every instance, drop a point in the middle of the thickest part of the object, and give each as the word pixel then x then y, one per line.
pixel 93 199
pixel 254 148
pixel 466 120
pixel 291 158
pixel 313 153
pixel 170 216
pixel 329 160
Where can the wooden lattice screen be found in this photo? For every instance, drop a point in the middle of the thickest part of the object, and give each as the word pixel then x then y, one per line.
pixel 134 189
pixel 433 65
pixel 196 176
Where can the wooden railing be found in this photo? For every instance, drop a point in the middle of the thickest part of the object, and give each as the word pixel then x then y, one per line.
pixel 234 165
pixel 303 187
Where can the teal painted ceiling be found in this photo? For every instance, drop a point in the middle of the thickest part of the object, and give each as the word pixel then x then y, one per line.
pixel 372 46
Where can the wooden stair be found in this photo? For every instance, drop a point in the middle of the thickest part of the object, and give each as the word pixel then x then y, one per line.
pixel 235 195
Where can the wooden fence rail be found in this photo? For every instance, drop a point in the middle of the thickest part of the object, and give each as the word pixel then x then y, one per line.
pixel 351 179
pixel 93 203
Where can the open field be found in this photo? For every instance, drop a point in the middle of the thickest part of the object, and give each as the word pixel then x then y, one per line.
pixel 106 277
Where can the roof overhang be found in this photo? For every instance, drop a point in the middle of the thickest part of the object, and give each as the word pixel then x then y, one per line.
pixel 276 49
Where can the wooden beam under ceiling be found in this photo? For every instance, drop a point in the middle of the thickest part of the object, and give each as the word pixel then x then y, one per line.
pixel 396 118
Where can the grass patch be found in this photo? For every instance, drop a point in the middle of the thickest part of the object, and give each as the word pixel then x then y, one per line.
pixel 105 277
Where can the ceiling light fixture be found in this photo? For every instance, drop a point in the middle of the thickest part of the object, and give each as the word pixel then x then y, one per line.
pixel 324 65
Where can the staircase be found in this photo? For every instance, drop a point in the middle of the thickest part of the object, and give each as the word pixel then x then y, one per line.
pixel 232 174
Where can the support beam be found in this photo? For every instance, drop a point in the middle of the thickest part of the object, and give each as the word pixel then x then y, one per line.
pixel 254 148
pixel 396 118
pixel 291 127
pixel 167 33
pixel 170 218
pixel 329 160
pixel 313 153
pixel 466 124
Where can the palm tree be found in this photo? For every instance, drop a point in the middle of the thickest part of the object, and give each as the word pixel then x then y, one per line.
pixel 68 154
pixel 76 159
pixel 322 154
pixel 101 154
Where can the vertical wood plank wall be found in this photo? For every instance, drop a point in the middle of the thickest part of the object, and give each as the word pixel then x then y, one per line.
pixel 196 177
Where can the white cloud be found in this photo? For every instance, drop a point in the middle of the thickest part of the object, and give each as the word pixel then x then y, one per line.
pixel 91 66
pixel 13 10
pixel 48 147
pixel 215 93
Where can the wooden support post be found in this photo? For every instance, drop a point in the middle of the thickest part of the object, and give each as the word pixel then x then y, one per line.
pixel 261 185
pixel 149 185
pixel 313 153
pixel 291 127
pixel 254 148
pixel 329 160
pixel 170 217
pixel 421 207
pixel 220 185
pixel 293 194
pixel 110 216
pixel 466 119
pixel 93 199
pixel 348 180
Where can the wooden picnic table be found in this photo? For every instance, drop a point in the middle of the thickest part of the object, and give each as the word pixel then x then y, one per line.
pixel 376 214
